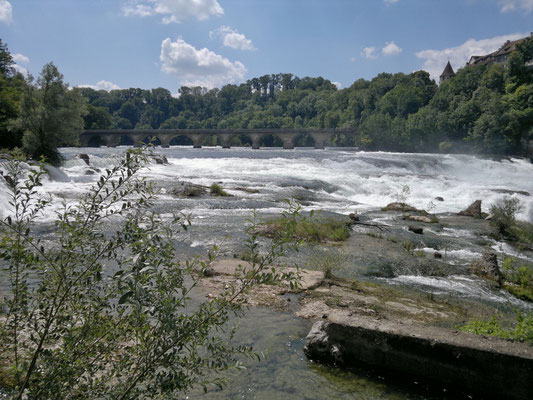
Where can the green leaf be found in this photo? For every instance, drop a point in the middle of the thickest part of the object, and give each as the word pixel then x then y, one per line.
pixel 125 297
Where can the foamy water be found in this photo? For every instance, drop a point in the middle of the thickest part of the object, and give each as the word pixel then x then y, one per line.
pixel 341 181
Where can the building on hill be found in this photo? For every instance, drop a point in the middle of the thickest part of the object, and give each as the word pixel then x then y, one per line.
pixel 500 56
pixel 447 73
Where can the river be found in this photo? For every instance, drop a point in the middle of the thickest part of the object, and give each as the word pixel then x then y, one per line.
pixel 335 180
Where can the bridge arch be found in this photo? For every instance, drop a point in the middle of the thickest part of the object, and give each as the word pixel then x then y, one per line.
pixel 271 140
pixel 96 141
pixel 304 139
pixel 241 140
pixel 181 140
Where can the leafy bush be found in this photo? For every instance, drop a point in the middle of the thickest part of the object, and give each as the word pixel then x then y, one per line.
pixel 504 215
pixel 518 279
pixel 103 310
pixel 216 190
pixel 504 220
pixel 521 331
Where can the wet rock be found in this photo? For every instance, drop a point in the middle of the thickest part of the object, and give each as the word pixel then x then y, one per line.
pixel 247 190
pixel 416 229
pixel 507 191
pixel 418 218
pixel 396 206
pixel 318 346
pixel 438 198
pixel 90 172
pixel 473 210
pixel 187 189
pixel 160 159
pixel 437 255
pixel 84 157
pixel 488 268
pixel 55 174
pixel 354 217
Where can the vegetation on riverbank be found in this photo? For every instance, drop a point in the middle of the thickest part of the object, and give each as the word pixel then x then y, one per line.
pixel 482 109
pixel 39 115
pixel 521 329
pixel 106 313
pixel 508 227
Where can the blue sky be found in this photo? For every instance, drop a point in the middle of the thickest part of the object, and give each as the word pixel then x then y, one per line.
pixel 169 43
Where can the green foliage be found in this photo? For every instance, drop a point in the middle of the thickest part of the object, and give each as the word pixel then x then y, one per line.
pixel 103 310
pixel 311 229
pixel 482 109
pixel 518 279
pixel 51 115
pixel 11 88
pixel 216 190
pixel 504 220
pixel 521 331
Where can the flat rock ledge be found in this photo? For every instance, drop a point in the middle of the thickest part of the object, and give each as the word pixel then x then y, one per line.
pixel 489 366
pixel 225 272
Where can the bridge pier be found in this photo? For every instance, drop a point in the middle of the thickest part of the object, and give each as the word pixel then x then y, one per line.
pixel 165 140
pixel 112 141
pixel 225 140
pixel 256 138
pixel 287 139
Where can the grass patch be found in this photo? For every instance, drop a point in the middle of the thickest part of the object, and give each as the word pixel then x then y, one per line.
pixel 310 230
pixel 375 235
pixel 522 329
pixel 216 190
pixel 518 279
pixel 327 261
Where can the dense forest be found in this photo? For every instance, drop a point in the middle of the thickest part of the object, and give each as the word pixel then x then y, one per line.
pixel 484 109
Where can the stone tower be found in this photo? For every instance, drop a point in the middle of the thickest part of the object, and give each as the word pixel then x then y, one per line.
pixel 447 73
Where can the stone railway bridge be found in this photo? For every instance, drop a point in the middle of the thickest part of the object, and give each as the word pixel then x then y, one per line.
pixel 196 137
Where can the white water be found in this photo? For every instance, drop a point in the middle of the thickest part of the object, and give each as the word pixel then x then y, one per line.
pixel 343 181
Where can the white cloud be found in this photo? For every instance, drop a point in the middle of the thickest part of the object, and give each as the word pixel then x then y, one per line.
pixel 435 60
pixel 173 10
pixel 6 11
pixel 195 67
pixel 391 49
pixel 338 84
pixel 369 52
pixel 20 58
pixel 103 85
pixel 390 1
pixel 353 59
pixel 232 38
pixel 513 5
pixel 20 69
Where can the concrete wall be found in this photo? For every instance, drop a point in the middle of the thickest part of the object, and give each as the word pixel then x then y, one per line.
pixel 470 363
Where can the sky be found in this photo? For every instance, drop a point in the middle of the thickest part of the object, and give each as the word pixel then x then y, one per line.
pixel 111 44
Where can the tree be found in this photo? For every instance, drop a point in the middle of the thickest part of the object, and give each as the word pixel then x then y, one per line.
pixel 11 87
pixel 51 115
pixel 104 311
